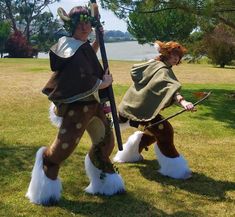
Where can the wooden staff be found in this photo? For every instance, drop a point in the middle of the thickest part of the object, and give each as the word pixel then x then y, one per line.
pixel 108 90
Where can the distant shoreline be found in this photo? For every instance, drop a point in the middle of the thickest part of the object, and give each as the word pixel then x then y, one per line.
pixel 124 50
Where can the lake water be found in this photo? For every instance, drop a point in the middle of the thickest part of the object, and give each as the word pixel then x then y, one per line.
pixel 129 50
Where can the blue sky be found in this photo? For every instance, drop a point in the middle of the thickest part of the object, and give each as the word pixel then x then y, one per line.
pixel 111 21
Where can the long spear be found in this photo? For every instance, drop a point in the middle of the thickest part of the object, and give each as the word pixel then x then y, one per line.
pixel 95 13
pixel 180 112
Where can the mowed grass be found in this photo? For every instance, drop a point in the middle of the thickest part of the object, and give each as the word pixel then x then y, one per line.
pixel 205 138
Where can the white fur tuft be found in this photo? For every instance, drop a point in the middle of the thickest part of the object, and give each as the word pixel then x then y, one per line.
pixel 157 47
pixel 55 120
pixel 110 184
pixel 42 190
pixel 124 126
pixel 176 168
pixel 130 152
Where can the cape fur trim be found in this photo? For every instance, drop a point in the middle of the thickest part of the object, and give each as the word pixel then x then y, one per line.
pixel 130 152
pixel 43 190
pixel 102 183
pixel 176 168
pixel 55 120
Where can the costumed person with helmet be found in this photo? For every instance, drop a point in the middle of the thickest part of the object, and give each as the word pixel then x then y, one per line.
pixel 74 90
pixel 155 87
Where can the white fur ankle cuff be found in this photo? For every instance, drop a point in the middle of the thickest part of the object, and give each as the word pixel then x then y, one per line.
pixel 102 183
pixel 43 190
pixel 130 152
pixel 176 168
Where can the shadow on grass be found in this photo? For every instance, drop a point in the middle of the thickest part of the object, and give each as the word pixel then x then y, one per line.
pixel 199 183
pixel 220 104
pixel 15 158
pixel 124 205
pixel 226 67
pixel 19 158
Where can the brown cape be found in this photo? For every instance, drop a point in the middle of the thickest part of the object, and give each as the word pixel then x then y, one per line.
pixel 75 76
pixel 153 89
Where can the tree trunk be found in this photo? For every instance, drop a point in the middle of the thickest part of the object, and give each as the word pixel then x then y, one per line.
pixel 27 31
pixel 11 16
pixel 222 65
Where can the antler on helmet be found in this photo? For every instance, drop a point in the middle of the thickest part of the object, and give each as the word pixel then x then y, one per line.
pixel 63 15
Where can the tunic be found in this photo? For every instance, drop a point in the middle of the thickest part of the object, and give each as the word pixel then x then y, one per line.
pixel 77 72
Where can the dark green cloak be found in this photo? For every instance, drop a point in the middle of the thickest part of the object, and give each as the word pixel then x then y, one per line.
pixel 153 90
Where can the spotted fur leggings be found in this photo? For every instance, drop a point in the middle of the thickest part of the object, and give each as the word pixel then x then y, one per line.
pixel 76 120
pixel 163 134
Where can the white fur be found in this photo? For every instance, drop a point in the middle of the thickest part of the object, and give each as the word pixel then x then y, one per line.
pixel 130 152
pixel 110 184
pixel 55 120
pixel 176 168
pixel 157 47
pixel 42 190
pixel 124 126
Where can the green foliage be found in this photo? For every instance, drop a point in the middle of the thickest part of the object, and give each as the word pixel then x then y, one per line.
pixel 171 19
pixel 2 16
pixel 158 26
pixel 45 28
pixel 214 40
pixel 195 46
pixel 222 11
pixel 28 16
pixel 220 46
pixel 5 30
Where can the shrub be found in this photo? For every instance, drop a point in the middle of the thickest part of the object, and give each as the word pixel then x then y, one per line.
pixel 220 45
pixel 18 47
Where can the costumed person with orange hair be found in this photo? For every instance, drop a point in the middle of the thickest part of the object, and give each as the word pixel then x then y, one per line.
pixel 155 87
pixel 74 90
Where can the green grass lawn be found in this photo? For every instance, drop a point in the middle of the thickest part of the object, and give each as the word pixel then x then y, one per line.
pixel 205 138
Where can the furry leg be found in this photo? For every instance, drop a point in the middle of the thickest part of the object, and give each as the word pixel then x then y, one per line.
pixel 130 152
pixel 43 190
pixel 55 120
pixel 176 168
pixel 102 183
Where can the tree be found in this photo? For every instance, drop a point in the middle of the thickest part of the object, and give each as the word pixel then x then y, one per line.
pixel 142 15
pixel 216 41
pixel 165 26
pixel 44 32
pixel 220 45
pixel 219 10
pixel 23 13
pixel 2 15
pixel 174 19
pixel 5 30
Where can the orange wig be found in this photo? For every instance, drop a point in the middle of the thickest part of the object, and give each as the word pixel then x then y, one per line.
pixel 167 48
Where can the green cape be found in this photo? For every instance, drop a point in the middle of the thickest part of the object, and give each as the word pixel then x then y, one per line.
pixel 154 87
